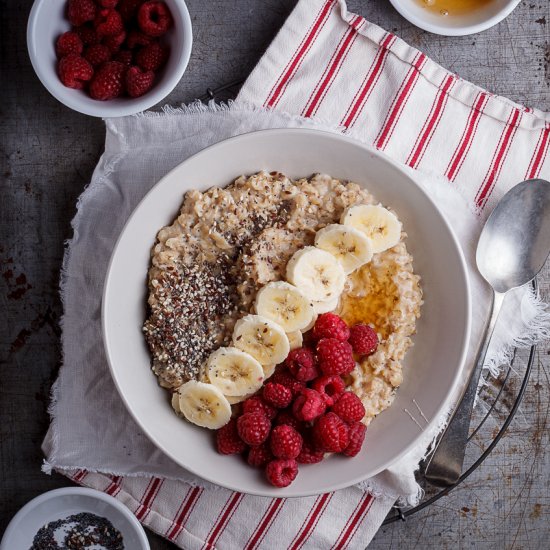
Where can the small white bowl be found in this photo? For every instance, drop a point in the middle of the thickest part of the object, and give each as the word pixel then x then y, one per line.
pixel 455 25
pixel 47 21
pixel 61 503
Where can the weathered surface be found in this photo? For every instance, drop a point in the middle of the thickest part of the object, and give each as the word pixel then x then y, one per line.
pixel 48 154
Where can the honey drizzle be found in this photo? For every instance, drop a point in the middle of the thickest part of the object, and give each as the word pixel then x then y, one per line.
pixel 452 7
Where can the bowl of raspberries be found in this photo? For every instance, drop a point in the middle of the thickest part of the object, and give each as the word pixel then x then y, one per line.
pixel 109 58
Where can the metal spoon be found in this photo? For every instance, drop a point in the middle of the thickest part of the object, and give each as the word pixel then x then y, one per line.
pixel 512 248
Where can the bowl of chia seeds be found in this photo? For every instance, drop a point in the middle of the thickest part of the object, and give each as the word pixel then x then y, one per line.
pixel 74 518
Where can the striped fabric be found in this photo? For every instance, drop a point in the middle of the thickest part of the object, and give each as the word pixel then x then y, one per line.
pixel 338 67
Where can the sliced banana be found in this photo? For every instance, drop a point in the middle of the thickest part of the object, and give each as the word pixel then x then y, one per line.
pixel 204 405
pixel 317 273
pixel 269 370
pixel 262 338
pixel 284 304
pixel 376 222
pixel 176 403
pixel 326 306
pixel 348 245
pixel 234 372
pixel 295 339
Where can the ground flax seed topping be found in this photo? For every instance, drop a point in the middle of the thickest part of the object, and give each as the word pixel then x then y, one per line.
pixel 225 244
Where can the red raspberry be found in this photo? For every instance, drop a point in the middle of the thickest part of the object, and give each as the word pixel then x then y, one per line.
pixel 108 23
pixel 331 433
pixel 286 418
pixel 308 405
pixel 68 42
pixel 115 42
pixel 154 18
pixel 310 454
pixel 363 339
pixel 357 433
pixel 329 325
pixel 281 473
pixel 285 442
pixel 228 440
pixel 81 11
pixel 335 357
pixel 138 82
pixel 136 38
pixel 107 3
pixel 349 408
pixel 277 395
pixel 259 456
pixel 88 35
pixel 330 386
pixel 253 428
pixel 286 379
pixel 124 56
pixel 128 8
pixel 257 404
pixel 97 54
pixel 301 364
pixel 152 57
pixel 108 81
pixel 74 71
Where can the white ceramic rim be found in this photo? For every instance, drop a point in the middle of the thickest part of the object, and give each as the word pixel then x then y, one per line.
pixel 466 329
pixel 134 106
pixel 98 495
pixel 455 31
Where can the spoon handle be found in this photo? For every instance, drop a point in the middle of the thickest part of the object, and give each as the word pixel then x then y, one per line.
pixel 445 466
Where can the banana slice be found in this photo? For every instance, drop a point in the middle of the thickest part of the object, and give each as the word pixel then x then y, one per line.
pixel 284 304
pixel 316 273
pixel 259 336
pixel 234 372
pixel 204 405
pixel 376 222
pixel 326 306
pixel 348 245
pixel 295 339
pixel 269 370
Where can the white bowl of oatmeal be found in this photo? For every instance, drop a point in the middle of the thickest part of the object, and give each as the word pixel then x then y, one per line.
pixel 431 367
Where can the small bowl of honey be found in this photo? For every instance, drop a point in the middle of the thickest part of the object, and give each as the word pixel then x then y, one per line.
pixel 455 17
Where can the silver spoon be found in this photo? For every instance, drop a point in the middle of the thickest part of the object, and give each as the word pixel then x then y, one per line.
pixel 512 248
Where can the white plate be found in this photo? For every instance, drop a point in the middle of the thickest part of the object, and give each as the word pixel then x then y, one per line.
pixel 61 503
pixel 432 366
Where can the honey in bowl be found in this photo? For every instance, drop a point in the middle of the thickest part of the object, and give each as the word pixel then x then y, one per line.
pixel 453 7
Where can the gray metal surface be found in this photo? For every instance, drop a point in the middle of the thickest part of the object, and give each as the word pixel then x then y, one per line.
pixel 47 156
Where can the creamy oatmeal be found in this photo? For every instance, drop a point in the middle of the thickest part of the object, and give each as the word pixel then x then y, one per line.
pixel 227 243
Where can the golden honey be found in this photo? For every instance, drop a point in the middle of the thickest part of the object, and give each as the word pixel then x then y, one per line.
pixel 453 7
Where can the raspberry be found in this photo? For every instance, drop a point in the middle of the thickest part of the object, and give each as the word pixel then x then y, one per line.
pixel 257 404
pixel 287 380
pixel 68 42
pixel 349 408
pixel 259 456
pixel 124 56
pixel 331 433
pixel 363 339
pixel 81 11
pixel 329 325
pixel 108 23
pixel 88 35
pixel 281 473
pixel 277 395
pixel 115 42
pixel 228 441
pixel 310 454
pixel 253 428
pixel 107 3
pixel 97 54
pixel 286 418
pixel 152 57
pixel 330 386
pixel 136 38
pixel 301 364
pixel 74 71
pixel 357 433
pixel 108 81
pixel 308 405
pixel 154 18
pixel 335 357
pixel 128 8
pixel 285 442
pixel 138 82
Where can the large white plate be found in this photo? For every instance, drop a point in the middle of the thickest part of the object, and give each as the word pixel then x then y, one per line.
pixel 432 367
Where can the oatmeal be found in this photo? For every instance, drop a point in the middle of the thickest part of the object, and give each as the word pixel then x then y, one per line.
pixel 226 244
